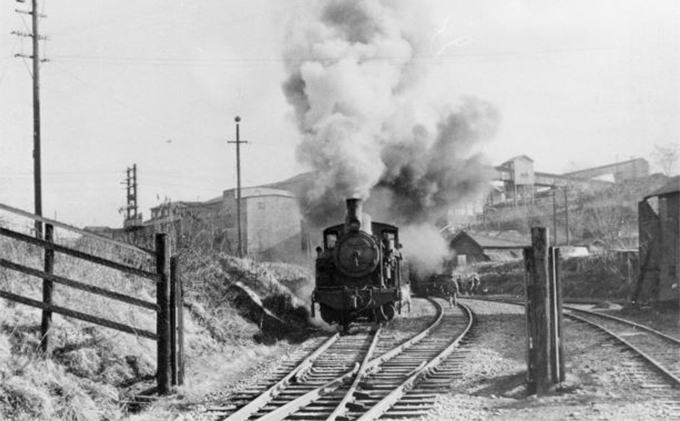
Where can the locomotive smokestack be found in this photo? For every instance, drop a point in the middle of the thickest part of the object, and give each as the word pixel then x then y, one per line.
pixel 354 215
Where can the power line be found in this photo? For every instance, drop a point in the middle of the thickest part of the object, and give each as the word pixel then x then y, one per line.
pixel 125 105
pixel 180 61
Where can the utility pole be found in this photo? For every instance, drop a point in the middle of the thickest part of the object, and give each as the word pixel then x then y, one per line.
pixel 238 142
pixel 37 171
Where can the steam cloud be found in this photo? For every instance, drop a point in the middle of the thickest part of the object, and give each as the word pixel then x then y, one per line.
pixel 353 69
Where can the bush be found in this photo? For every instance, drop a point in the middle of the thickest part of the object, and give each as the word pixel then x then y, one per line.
pixel 602 277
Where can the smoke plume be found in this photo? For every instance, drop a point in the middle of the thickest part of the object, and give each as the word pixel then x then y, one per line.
pixel 353 68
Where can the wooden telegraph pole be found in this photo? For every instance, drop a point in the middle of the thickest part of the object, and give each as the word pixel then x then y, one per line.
pixel 37 167
pixel 238 142
pixel 37 170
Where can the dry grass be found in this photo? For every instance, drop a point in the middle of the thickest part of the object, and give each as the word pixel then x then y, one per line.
pixel 92 368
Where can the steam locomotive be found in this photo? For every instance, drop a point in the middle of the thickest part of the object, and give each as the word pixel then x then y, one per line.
pixel 358 270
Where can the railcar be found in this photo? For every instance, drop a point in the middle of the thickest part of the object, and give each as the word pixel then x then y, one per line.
pixel 358 270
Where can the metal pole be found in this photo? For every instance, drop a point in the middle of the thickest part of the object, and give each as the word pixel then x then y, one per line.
pixel 134 191
pixel 37 178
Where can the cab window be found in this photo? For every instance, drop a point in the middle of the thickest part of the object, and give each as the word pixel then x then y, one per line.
pixel 331 239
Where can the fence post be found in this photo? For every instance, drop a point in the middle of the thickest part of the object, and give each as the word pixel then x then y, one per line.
pixel 538 315
pixel 528 299
pixel 176 323
pixel 180 328
pixel 164 345
pixel 556 339
pixel 47 293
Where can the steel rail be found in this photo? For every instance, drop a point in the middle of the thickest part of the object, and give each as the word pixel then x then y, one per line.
pixel 376 362
pixel 619 319
pixel 340 409
pixel 423 370
pixel 259 402
pixel 670 376
pixel 308 398
pixel 593 313
pixel 299 403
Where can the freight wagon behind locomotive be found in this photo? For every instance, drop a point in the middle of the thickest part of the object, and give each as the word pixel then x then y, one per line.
pixel 358 270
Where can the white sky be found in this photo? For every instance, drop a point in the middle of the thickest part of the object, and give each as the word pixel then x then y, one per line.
pixel 159 82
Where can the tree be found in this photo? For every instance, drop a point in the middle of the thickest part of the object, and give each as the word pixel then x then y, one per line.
pixel 666 156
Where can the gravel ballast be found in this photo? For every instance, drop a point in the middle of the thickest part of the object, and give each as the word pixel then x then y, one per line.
pixel 598 386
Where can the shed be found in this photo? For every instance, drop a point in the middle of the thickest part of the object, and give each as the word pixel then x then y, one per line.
pixel 659 229
pixel 469 247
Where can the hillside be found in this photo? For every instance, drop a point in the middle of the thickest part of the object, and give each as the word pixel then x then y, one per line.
pixel 607 216
pixel 232 306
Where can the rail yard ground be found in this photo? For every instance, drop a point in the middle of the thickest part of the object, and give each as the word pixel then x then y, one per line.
pixel 98 370
pixel 598 385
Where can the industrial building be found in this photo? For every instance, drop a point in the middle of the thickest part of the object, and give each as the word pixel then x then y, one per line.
pixel 272 223
pixel 269 218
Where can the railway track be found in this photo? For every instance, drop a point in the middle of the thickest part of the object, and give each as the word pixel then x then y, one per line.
pixel 648 348
pixel 654 356
pixel 366 375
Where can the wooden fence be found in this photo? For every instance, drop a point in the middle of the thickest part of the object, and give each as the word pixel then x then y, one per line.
pixel 168 306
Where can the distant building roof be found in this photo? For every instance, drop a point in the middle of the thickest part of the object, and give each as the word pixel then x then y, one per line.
pixel 495 240
pixel 516 158
pixel 185 204
pixel 259 192
pixel 672 186
pixel 97 228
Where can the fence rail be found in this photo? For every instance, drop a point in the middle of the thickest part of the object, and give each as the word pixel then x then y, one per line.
pixel 168 306
pixel 79 285
pixel 79 315
pixel 84 233
pixel 48 245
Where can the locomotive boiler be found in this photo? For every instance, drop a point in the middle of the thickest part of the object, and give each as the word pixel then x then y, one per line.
pixel 358 270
